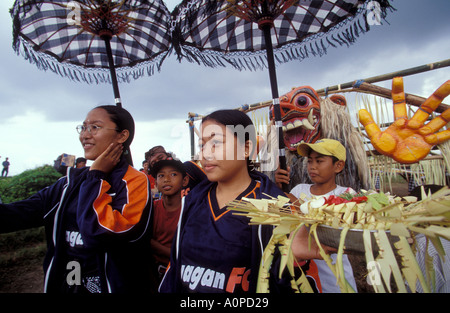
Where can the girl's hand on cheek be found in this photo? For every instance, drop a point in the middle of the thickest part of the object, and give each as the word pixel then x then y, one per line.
pixel 108 159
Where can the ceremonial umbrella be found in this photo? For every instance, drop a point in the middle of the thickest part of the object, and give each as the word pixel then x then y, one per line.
pixel 93 40
pixel 251 34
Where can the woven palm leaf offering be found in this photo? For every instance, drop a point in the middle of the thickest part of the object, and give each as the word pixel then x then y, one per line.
pixel 381 226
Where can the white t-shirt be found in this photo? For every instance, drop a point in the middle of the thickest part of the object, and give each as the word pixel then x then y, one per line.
pixel 306 189
pixel 327 278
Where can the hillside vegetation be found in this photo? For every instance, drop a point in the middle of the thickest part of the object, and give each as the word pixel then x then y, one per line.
pixel 23 250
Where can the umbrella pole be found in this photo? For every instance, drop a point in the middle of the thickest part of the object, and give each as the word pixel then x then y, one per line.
pixel 112 69
pixel 266 28
pixel 191 131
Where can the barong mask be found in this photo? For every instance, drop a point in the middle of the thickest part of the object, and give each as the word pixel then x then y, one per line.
pixel 300 115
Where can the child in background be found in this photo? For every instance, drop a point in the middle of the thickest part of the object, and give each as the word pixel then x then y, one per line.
pixel 326 159
pixel 145 169
pixel 193 170
pixel 171 178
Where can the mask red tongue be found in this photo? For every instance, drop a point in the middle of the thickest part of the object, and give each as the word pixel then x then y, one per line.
pixel 293 137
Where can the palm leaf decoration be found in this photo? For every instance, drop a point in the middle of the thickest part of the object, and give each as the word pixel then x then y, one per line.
pixel 381 226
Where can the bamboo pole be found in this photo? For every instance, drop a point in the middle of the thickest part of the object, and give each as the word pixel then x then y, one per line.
pixel 414 100
pixel 411 99
pixel 364 85
pixel 403 73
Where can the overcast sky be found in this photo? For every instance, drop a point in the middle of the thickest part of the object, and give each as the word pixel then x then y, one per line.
pixel 40 110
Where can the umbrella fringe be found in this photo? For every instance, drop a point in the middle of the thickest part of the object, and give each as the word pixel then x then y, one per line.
pixel 316 45
pixel 343 34
pixel 86 75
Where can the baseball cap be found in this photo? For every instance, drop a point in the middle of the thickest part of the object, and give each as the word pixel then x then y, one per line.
pixel 323 146
pixel 167 162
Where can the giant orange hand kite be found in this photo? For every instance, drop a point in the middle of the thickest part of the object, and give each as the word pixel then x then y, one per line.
pixel 409 141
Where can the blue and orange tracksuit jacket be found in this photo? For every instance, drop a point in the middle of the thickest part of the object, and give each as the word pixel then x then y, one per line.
pixel 97 227
pixel 215 251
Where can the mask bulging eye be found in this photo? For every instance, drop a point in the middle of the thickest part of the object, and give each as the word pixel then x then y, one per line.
pixel 302 101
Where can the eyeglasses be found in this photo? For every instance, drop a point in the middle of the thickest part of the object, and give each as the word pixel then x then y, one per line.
pixel 92 129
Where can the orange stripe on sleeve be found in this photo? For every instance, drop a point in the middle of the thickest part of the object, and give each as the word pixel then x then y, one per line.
pixel 121 217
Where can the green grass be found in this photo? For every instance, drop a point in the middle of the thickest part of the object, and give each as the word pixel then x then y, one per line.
pixel 23 245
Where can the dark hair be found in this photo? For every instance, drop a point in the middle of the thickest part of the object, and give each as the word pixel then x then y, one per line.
pixel 80 160
pixel 333 159
pixel 236 118
pixel 177 164
pixel 153 151
pixel 123 120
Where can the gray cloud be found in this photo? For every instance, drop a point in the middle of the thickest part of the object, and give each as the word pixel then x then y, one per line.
pixel 417 34
pixel 183 87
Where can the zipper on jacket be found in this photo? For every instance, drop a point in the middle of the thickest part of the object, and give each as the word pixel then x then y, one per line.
pixel 55 223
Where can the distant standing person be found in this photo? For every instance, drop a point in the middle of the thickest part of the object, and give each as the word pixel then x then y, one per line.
pixel 5 168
